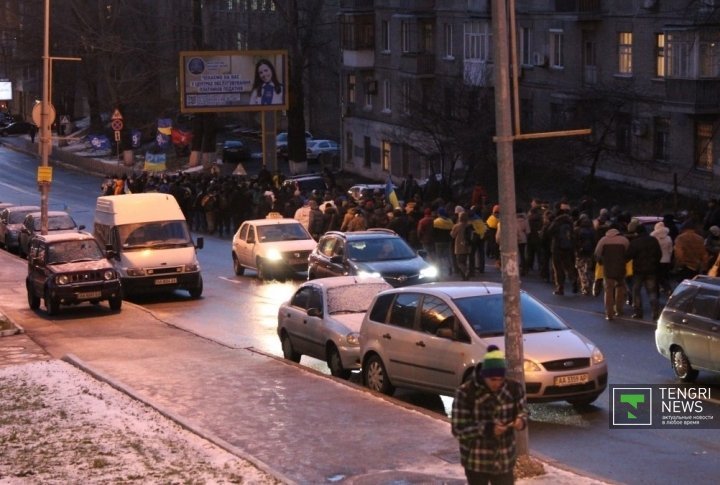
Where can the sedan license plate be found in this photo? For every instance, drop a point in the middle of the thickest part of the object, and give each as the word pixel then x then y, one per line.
pixel 571 380
pixel 88 295
pixel 166 281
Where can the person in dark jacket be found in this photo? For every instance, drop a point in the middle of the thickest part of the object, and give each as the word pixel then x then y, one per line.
pixel 562 248
pixel 645 253
pixel 610 252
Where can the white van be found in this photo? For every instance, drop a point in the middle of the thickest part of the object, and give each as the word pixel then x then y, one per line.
pixel 153 247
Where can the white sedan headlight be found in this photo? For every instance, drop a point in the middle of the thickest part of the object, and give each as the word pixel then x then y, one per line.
pixel 429 272
pixel 530 366
pixel 273 255
pixel 369 274
pixel 597 357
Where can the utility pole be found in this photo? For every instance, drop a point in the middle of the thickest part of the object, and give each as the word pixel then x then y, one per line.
pixel 506 187
pixel 44 171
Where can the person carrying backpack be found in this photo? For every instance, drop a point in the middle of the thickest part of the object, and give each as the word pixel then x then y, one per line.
pixel 562 249
pixel 585 241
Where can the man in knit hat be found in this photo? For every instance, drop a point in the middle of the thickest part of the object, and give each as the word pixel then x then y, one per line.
pixel 487 411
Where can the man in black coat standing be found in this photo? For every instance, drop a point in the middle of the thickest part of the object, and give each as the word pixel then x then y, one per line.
pixel 645 254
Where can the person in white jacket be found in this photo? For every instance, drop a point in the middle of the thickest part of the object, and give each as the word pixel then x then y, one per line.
pixel 662 234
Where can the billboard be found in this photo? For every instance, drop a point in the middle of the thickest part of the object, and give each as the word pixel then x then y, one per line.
pixel 5 91
pixel 213 81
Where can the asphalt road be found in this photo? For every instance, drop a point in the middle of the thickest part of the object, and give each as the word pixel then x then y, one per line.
pixel 240 312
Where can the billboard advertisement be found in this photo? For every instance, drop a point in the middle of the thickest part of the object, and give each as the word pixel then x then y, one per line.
pixel 5 91
pixel 213 81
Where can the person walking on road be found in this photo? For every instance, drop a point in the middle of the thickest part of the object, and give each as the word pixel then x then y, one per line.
pixel 610 252
pixel 486 412
pixel 645 253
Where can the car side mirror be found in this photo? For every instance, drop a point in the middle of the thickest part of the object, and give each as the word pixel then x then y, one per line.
pixel 314 312
pixel 200 243
pixel 81 227
pixel 422 253
pixel 337 259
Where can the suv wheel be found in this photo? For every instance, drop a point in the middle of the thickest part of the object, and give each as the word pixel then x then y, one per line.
pixel 196 292
pixel 33 299
pixel 51 305
pixel 262 272
pixel 334 362
pixel 115 303
pixel 375 377
pixel 681 366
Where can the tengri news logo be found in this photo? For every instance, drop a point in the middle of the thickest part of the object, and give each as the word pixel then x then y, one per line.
pixel 632 406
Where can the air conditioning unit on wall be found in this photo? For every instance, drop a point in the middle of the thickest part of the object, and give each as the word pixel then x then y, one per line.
pixel 539 59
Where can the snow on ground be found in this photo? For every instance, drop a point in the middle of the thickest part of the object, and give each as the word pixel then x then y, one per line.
pixel 59 425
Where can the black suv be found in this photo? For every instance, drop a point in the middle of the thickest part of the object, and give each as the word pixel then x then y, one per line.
pixel 375 252
pixel 68 269
pixel 688 330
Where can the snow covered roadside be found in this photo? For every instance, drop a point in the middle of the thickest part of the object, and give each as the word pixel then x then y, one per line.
pixel 59 425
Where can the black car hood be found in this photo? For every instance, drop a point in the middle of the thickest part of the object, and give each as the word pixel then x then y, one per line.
pixel 406 267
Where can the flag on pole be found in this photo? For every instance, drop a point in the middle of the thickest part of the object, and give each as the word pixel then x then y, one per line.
pixel 390 194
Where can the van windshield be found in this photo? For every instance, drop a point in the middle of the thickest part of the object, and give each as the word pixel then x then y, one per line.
pixel 154 234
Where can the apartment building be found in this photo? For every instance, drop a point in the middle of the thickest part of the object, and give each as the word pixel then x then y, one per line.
pixel 643 74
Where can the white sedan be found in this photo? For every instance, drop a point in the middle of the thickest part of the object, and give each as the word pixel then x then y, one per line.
pixel 322 320
pixel 274 247
pixel 315 148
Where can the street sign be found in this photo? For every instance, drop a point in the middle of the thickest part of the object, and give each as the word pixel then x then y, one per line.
pixel 37 114
pixel 117 135
pixel 116 115
pixel 117 124
pixel 44 174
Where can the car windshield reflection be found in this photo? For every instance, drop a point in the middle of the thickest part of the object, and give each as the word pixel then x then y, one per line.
pixel 385 249
pixel 282 232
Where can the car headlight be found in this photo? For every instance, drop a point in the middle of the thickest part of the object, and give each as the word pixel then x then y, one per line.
pixel 192 267
pixel 109 275
pixel 353 339
pixel 597 357
pixel 369 274
pixel 62 279
pixel 530 366
pixel 429 272
pixel 273 255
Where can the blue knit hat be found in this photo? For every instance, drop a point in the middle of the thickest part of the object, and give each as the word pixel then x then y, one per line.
pixel 442 212
pixel 494 363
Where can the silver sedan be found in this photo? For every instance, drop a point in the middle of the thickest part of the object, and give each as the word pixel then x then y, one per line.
pixel 322 320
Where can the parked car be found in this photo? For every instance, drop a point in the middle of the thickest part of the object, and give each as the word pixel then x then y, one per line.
pixel 18 128
pixel 362 192
pixel 273 247
pixel 431 337
pixel 235 151
pixel 11 221
pixel 58 222
pixel 306 184
pixel 375 252
pixel 322 320
pixel 68 269
pixel 322 148
pixel 688 330
pixel 281 142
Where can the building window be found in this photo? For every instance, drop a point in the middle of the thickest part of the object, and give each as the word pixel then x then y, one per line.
pixel 405 37
pixel 370 90
pixel 590 62
pixel 478 41
pixel 660 138
pixel 525 47
pixel 448 41
pixel 704 146
pixel 387 96
pixel 622 134
pixel 625 53
pixel 241 42
pixel 679 54
pixel 385 36
pixel 349 147
pixel 557 59
pixel 660 55
pixel 367 151
pixel 709 54
pixel 386 155
pixel 351 89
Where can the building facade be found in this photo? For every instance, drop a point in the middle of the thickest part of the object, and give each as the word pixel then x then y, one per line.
pixel 643 74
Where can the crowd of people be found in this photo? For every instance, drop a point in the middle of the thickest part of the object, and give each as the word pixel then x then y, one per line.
pixel 563 244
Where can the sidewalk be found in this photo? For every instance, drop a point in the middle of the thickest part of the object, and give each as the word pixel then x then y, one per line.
pixel 303 426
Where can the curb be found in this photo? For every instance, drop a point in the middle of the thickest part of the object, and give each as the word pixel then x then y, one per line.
pixel 129 391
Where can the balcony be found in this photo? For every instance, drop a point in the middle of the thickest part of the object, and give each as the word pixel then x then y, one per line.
pixel 421 64
pixel 362 58
pixel 693 96
pixel 579 9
